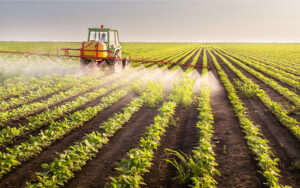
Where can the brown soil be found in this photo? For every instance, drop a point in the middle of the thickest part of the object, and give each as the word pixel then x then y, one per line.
pixel 26 172
pixel 180 137
pixel 97 171
pixel 283 144
pixel 236 162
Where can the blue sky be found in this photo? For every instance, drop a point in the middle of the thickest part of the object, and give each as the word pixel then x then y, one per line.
pixel 153 21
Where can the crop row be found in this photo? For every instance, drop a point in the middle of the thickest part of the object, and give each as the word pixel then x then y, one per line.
pixel 271 71
pixel 16 86
pixel 291 96
pixel 194 61
pixel 281 66
pixel 202 175
pixel 47 88
pixel 9 133
pixel 280 113
pixel 33 146
pixel 138 160
pixel 62 168
pixel 55 99
pixel 256 143
pixel 282 56
pixel 185 59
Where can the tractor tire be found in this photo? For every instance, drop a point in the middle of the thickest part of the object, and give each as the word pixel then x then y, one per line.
pixel 117 66
pixel 125 63
pixel 84 64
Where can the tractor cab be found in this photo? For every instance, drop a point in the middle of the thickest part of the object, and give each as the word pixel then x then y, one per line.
pixel 109 36
pixel 102 48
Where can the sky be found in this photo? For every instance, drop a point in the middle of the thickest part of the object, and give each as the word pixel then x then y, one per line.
pixel 153 21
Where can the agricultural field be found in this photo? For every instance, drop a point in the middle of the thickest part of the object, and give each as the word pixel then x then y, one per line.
pixel 234 122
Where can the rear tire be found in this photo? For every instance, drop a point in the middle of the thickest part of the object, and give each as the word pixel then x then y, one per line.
pixel 117 66
pixel 84 64
pixel 125 63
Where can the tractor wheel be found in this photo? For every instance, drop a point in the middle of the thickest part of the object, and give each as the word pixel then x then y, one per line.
pixel 125 63
pixel 117 66
pixel 84 64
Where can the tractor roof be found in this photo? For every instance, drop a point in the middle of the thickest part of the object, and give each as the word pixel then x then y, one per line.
pixel 102 29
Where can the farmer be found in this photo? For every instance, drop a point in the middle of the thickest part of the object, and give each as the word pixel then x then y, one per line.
pixel 103 38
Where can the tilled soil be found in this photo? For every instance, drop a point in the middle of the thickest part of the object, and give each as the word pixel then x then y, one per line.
pixel 236 162
pixel 97 171
pixel 183 137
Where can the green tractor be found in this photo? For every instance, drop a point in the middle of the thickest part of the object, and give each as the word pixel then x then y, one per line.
pixel 102 49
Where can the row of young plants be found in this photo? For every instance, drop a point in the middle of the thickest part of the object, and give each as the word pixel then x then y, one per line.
pixel 28 109
pixel 18 86
pixel 138 160
pixel 57 130
pixel 176 58
pixel 280 113
pixel 8 134
pixel 271 67
pixel 293 81
pixel 194 61
pixel 256 143
pixel 47 88
pixel 62 168
pixel 270 62
pixel 159 53
pixel 166 57
pixel 161 56
pixel 204 154
pixel 186 58
pixel 199 167
pixel 277 54
pixel 291 96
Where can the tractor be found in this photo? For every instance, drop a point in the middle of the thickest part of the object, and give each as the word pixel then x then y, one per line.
pixel 102 49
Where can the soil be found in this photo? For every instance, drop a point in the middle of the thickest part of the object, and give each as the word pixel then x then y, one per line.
pixel 183 137
pixel 97 171
pixel 236 162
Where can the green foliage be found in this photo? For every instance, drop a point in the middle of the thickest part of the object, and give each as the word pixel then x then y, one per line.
pixel 248 88
pixel 153 94
pixel 182 92
pixel 71 160
pixel 56 130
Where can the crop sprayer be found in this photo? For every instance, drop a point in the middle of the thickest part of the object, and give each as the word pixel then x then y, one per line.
pixel 102 49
